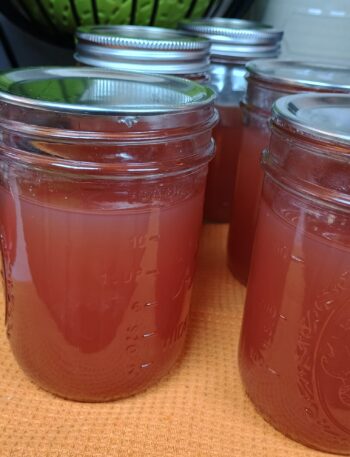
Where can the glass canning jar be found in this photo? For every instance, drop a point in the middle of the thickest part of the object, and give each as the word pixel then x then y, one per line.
pixel 143 49
pixel 102 178
pixel 295 340
pixel 234 43
pixel 268 80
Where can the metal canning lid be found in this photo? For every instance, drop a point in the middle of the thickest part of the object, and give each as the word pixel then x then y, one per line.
pixel 236 37
pixel 322 116
pixel 96 91
pixel 146 49
pixel 317 75
pixel 238 31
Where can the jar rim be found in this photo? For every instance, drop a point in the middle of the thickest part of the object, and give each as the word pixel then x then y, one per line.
pixel 46 120
pixel 98 170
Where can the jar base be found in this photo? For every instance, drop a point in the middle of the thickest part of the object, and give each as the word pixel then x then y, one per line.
pixel 293 437
pixel 107 398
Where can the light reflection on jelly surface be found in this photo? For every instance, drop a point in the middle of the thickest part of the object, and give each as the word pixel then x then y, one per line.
pixel 97 301
pixel 295 340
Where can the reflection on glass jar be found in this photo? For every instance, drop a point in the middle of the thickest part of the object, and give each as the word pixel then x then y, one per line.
pixel 295 340
pixel 268 80
pixel 100 208
pixel 234 42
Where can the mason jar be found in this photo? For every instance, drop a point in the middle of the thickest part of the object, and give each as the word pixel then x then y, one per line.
pixel 143 49
pixel 268 80
pixel 234 43
pixel 295 340
pixel 102 178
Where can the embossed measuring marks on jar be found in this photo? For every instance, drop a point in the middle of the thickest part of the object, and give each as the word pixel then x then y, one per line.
pixel 163 290
pixel 141 328
pixel 137 337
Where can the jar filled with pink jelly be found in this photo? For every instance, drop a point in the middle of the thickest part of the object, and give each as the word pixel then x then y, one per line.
pixel 233 43
pixel 295 340
pixel 102 178
pixel 268 80
pixel 143 49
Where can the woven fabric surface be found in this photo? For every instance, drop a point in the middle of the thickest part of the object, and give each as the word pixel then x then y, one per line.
pixel 198 410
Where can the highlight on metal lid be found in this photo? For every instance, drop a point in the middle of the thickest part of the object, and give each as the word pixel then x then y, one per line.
pixel 310 74
pixel 97 91
pixel 324 116
pixel 237 37
pixel 146 49
pixel 139 37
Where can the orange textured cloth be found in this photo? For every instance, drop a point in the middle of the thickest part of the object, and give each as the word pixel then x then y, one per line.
pixel 198 410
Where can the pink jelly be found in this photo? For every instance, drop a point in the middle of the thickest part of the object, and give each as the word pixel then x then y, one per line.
pixel 295 340
pixel 101 202
pixel 267 81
